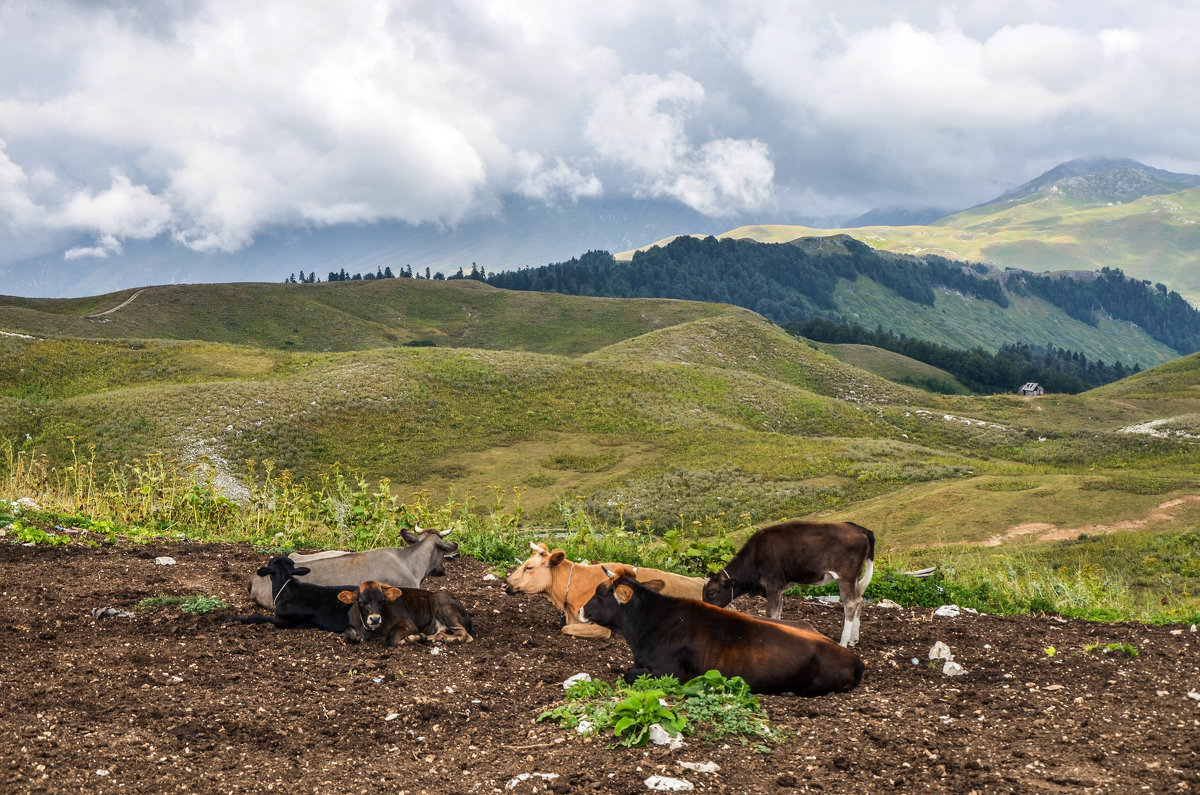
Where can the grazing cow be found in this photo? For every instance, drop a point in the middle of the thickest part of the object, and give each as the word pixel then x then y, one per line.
pixel 400 614
pixel 567 585
pixel 300 604
pixel 800 553
pixel 685 638
pixel 404 567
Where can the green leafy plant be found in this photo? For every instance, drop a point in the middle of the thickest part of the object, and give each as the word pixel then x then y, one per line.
pixel 1127 649
pixel 638 712
pixel 194 604
pixel 710 706
pixel 31 534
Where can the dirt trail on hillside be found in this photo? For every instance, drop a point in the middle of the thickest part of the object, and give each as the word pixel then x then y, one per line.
pixel 170 701
pixel 1047 531
pixel 121 305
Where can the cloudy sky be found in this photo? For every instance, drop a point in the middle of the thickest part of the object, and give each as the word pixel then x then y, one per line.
pixel 207 123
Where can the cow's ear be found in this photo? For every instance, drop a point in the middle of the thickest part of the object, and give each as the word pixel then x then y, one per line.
pixel 348 597
pixel 409 536
pixel 623 593
pixel 392 594
pixel 655 585
pixel 263 571
pixel 557 557
pixel 300 572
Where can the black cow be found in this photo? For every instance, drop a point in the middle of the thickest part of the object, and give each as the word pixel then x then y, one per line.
pixel 685 638
pixel 400 614
pixel 300 604
pixel 800 553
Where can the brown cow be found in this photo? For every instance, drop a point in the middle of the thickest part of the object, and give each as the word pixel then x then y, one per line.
pixel 685 638
pixel 404 614
pixel 800 553
pixel 568 585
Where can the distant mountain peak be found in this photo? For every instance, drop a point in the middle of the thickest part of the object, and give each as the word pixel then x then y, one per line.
pixel 1101 180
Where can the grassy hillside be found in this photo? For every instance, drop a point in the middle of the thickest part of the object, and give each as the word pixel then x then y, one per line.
pixel 895 367
pixel 1156 238
pixel 352 315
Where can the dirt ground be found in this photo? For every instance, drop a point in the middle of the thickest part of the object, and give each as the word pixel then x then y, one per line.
pixel 167 701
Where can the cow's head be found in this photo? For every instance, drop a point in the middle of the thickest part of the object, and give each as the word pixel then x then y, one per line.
pixel 611 597
pixel 436 539
pixel 536 573
pixel 370 597
pixel 282 566
pixel 719 589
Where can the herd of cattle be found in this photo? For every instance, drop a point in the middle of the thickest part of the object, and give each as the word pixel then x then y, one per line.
pixel 674 625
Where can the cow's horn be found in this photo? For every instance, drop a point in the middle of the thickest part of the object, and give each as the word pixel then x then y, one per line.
pixel 534 547
pixel 611 576
pixel 445 533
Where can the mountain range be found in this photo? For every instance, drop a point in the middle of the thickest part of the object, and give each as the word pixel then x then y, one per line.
pixel 1084 214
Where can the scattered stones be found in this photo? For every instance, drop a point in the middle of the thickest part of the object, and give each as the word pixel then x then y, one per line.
pixel 940 651
pixel 660 736
pixel 571 680
pixel 701 767
pixel 1193 695
pixel 668 784
pixel 164 561
pixel 887 603
pixel 952 668
pixel 516 780
pixel 110 612
pixel 948 611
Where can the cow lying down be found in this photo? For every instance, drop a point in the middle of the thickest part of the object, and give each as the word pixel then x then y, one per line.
pixel 568 585
pixel 404 567
pixel 686 638
pixel 400 614
pixel 299 604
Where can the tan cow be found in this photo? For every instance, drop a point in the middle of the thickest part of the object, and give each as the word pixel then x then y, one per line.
pixel 568 585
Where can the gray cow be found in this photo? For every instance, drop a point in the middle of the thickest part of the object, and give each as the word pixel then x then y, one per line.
pixel 402 567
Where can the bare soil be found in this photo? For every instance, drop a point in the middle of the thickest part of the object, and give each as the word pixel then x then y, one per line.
pixel 166 701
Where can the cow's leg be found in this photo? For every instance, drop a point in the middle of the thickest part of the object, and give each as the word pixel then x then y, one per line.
pixel 585 631
pixel 404 630
pixel 851 608
pixel 775 600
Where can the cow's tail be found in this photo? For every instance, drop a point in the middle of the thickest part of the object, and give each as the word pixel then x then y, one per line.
pixel 868 569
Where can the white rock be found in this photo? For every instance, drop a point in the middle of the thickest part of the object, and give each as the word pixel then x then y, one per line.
pixel 489 577
pixel 28 504
pixel 660 736
pixel 516 780
pixel 940 651
pixel 700 767
pixel 392 716
pixel 584 726
pixel 164 561
pixel 571 680
pixel 952 668
pixel 948 611
pixel 1194 695
pixel 888 603
pixel 668 784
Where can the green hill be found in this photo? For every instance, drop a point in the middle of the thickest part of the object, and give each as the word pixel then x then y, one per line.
pixel 353 315
pixel 1156 238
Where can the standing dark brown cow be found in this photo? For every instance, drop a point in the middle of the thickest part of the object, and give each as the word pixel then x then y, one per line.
pixel 800 553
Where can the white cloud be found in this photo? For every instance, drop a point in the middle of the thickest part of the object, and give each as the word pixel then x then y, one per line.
pixel 641 123
pixel 550 184
pixel 214 121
